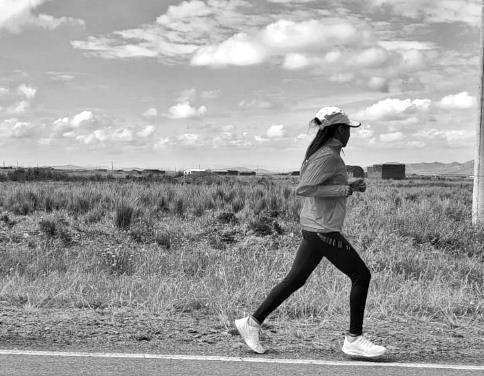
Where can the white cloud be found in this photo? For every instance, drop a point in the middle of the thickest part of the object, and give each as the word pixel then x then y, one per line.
pixel 451 138
pixel 51 23
pixel 398 45
pixel 80 118
pixel 109 134
pixel 276 131
pixel 209 94
pixel 237 50
pixel 98 130
pixel 231 139
pixel 371 57
pixel 284 38
pixel 146 131
pixel 13 128
pixel 255 103
pixel 468 11
pixel 342 77
pixel 161 143
pixel 3 91
pixel 393 109
pixel 364 131
pixel 391 137
pixel 261 140
pixel 188 139
pixel 150 112
pixel 177 33
pixel 220 33
pixel 300 137
pixel 379 84
pixel 28 91
pixel 187 95
pixel 293 61
pixel 185 110
pixel 16 14
pixel 458 101
pixel 290 1
pixel 18 108
pixel 60 76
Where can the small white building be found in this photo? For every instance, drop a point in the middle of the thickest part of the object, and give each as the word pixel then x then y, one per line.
pixel 195 171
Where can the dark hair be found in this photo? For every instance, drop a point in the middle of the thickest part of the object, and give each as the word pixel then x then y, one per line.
pixel 321 137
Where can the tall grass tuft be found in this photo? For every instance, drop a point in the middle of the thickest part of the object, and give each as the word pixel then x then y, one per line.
pixel 123 214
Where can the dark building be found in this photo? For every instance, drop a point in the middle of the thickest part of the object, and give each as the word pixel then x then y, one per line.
pixel 355 171
pixel 387 171
pixel 154 171
pixel 294 173
pixel 232 172
pixel 247 173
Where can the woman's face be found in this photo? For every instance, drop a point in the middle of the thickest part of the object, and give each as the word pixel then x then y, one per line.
pixel 344 134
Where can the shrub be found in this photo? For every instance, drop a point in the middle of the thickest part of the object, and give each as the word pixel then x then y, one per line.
pixel 55 227
pixel 261 225
pixel 48 227
pixel 227 217
pixel 117 261
pixel 94 216
pixel 162 204
pixel 123 214
pixel 22 202
pixel 199 209
pixel 260 205
pixel 179 207
pixel 162 238
pixel 238 204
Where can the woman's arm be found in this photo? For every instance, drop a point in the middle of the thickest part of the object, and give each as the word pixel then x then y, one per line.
pixel 324 190
pixel 314 177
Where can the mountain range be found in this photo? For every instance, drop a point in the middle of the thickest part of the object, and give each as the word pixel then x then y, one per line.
pixel 427 168
pixel 438 168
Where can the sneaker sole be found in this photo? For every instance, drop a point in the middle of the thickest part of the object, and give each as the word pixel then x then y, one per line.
pixel 250 347
pixel 356 353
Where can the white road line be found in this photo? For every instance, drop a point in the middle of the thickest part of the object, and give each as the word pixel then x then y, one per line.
pixel 237 359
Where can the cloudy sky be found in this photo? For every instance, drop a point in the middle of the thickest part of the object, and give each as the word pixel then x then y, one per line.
pixel 221 83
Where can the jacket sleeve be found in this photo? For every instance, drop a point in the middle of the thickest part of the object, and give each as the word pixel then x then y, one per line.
pixel 313 180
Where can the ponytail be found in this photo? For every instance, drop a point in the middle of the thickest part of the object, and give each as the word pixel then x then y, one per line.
pixel 321 137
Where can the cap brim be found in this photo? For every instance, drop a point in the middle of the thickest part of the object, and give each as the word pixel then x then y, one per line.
pixel 354 124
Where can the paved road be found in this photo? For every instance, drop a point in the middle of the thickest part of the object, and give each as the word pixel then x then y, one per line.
pixel 65 364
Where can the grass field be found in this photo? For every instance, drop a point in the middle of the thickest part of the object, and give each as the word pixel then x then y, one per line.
pixel 221 243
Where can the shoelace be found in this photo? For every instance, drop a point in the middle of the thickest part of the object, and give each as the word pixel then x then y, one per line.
pixel 365 342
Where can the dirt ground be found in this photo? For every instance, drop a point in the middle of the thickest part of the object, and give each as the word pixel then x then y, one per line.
pixel 197 332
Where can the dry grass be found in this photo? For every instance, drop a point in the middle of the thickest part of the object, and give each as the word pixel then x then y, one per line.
pixel 223 243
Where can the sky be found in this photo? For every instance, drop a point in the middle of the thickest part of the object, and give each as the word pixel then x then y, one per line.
pixel 225 83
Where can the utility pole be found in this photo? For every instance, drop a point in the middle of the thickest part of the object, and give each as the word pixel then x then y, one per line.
pixel 478 189
pixel 112 166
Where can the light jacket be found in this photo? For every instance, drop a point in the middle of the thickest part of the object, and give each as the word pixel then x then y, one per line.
pixel 323 184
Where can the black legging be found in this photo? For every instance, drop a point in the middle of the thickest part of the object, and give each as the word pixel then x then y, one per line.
pixel 341 254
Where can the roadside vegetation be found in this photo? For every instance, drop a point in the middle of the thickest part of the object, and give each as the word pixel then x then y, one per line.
pixel 221 243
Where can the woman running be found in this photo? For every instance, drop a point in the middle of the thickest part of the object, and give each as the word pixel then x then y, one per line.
pixel 325 188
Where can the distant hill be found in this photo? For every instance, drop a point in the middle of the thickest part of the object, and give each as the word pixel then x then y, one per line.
pixel 432 168
pixel 258 171
pixel 438 168
pixel 73 167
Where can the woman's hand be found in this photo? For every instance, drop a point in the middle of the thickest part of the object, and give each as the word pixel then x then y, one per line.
pixel 348 190
pixel 358 185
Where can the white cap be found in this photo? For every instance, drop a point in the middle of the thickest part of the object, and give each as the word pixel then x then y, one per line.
pixel 334 115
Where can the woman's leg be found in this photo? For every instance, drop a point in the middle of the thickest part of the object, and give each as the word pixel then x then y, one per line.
pixel 342 255
pixel 307 258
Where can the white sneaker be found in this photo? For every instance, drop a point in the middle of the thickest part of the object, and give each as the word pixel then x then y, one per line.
pixel 362 346
pixel 250 333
